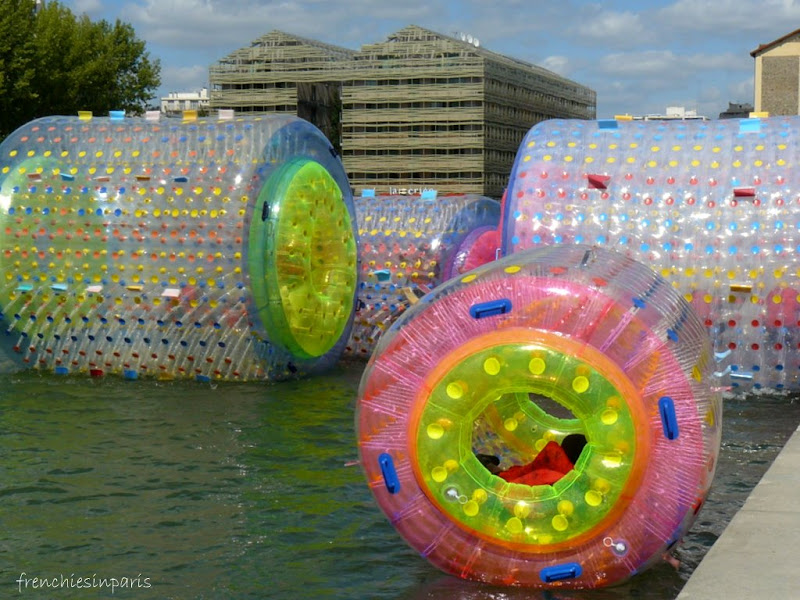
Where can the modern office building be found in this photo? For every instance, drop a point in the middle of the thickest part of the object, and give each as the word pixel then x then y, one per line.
pixel 777 75
pixel 175 103
pixel 279 72
pixel 419 110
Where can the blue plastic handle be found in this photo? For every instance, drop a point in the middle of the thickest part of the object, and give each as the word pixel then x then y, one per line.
pixel 389 473
pixel 490 309
pixel 669 421
pixel 560 572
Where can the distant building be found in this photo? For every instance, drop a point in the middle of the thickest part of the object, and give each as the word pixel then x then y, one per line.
pixel 737 111
pixel 672 113
pixel 777 75
pixel 419 110
pixel 177 102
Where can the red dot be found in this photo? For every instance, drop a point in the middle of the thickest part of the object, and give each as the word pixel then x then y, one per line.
pixel 732 345
pixel 754 323
pixel 731 323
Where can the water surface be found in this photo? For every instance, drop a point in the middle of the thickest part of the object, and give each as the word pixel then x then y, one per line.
pixel 244 491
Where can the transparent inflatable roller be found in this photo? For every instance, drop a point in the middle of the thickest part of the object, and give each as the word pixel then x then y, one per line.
pixel 521 352
pixel 407 246
pixel 713 206
pixel 208 249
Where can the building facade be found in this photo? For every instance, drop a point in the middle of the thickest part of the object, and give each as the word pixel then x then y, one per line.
pixel 176 102
pixel 777 75
pixel 419 110
pixel 279 72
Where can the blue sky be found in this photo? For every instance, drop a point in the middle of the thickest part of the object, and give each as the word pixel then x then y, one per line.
pixel 640 57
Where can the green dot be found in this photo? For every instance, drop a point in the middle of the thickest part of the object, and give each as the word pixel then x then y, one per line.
pixel 471 508
pixel 514 525
pixel 491 366
pixel 439 474
pixel 593 498
pixel 454 390
pixel 560 523
pixel 609 416
pixel 580 384
pixel 537 366
pixel 435 431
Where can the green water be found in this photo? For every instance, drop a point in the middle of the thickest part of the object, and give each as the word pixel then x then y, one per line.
pixel 243 491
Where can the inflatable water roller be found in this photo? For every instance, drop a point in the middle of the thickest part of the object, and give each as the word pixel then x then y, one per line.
pixel 520 352
pixel 407 246
pixel 713 206
pixel 207 249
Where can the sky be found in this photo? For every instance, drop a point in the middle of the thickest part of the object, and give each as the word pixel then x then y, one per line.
pixel 640 57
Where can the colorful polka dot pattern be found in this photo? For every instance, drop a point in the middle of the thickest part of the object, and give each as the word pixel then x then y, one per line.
pixel 712 206
pixel 124 244
pixel 407 246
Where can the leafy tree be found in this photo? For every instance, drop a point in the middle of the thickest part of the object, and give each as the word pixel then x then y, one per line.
pixel 63 64
pixel 17 68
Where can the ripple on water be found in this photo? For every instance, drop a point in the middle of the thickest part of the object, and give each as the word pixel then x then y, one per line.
pixel 241 491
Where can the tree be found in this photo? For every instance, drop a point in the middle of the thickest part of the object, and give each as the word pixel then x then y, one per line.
pixel 17 68
pixel 59 64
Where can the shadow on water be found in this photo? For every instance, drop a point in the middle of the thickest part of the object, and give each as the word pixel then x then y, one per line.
pixel 243 491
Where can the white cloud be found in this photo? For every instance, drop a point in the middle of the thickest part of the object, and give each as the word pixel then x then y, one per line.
pixel 90 7
pixel 233 24
pixel 182 79
pixel 557 64
pixel 616 29
pixel 655 64
pixel 732 17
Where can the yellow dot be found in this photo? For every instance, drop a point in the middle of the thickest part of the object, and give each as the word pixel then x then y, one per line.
pixel 435 431
pixel 776 299
pixel 480 496
pixel 468 278
pixel 537 366
pixel 513 269
pixel 455 390
pixel 491 365
pixel 439 474
pixel 522 509
pixel 540 443
pixel 593 498
pixel 471 508
pixel 601 485
pixel 609 416
pixel 580 384
pixel 560 523
pixel 451 465
pixel 566 508
pixel 510 424
pixel 514 525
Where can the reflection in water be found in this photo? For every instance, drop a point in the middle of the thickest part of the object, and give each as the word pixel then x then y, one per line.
pixel 241 491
